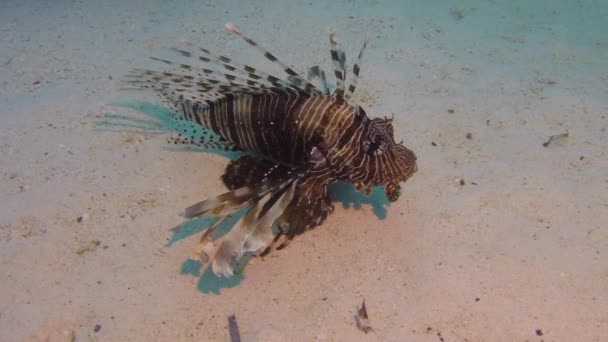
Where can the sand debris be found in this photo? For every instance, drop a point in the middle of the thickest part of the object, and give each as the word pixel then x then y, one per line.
pixel 457 13
pixel 233 328
pixel 555 138
pixel 89 247
pixel 362 319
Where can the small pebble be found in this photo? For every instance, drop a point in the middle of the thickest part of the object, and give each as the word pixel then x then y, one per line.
pixel 469 136
pixel 433 143
pixel 451 111
pixel 97 328
pixel 82 218
pixel 461 182
pixel 539 332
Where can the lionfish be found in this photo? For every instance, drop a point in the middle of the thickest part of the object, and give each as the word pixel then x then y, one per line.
pixel 299 138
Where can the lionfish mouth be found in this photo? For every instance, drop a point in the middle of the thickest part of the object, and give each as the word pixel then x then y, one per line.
pixel 392 190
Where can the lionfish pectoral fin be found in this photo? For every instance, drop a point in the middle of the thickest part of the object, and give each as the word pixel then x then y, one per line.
pixel 249 170
pixel 311 204
pixel 252 233
pixel 262 235
pixel 317 160
pixel 229 202
pixel 205 246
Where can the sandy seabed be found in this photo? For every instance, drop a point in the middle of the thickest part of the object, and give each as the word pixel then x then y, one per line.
pixel 517 251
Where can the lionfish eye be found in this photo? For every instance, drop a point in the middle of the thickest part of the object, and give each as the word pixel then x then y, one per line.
pixel 375 145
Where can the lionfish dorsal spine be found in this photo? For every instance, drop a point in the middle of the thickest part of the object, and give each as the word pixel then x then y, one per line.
pixel 356 69
pixel 212 80
pixel 293 77
pixel 234 71
pixel 338 58
pixel 315 72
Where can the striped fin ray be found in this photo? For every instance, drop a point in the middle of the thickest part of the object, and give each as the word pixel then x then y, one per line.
pixel 338 58
pixel 356 69
pixel 230 202
pixel 247 74
pixel 171 85
pixel 182 92
pixel 253 233
pixel 293 77
pixel 227 78
pixel 114 121
pixel 205 85
pixel 315 72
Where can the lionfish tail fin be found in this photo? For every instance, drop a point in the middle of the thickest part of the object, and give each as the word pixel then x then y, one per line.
pixel 159 120
pixel 253 233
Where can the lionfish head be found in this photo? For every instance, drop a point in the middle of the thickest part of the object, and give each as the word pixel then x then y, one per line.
pixel 389 163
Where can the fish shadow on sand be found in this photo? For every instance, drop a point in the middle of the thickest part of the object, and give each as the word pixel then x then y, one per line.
pixel 158 120
pixel 350 197
pixel 210 283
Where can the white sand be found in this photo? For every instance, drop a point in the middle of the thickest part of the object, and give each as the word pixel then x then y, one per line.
pixel 525 248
